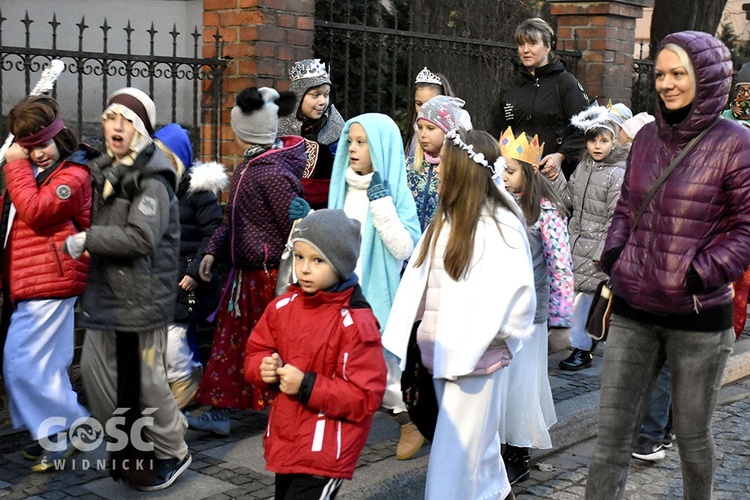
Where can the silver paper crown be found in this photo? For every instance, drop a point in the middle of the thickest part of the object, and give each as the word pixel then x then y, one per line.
pixel 427 76
pixel 308 68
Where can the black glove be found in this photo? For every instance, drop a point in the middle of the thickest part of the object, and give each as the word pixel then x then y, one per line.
pixel 609 258
pixel 115 173
pixel 694 283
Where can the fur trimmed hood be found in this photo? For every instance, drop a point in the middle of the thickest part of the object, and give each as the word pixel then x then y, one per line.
pixel 210 176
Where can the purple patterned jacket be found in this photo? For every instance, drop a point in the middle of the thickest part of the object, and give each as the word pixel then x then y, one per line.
pixel 256 221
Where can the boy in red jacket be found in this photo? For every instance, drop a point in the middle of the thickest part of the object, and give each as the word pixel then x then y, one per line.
pixel 319 345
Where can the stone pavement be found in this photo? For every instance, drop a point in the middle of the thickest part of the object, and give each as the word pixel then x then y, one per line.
pixel 232 467
pixel 562 474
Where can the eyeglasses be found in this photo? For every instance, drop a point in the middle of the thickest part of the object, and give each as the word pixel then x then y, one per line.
pixel 743 91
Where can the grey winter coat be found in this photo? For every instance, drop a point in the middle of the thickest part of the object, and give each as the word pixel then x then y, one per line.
pixel 134 242
pixel 700 217
pixel 591 196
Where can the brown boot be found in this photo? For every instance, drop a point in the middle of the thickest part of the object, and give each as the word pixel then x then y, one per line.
pixel 184 390
pixel 410 442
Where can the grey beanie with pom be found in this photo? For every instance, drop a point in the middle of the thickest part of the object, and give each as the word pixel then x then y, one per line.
pixel 255 118
pixel 335 236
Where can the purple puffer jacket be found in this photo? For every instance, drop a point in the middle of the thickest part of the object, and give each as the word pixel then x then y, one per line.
pixel 700 216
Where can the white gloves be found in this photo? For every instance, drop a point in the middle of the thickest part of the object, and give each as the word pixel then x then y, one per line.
pixel 75 245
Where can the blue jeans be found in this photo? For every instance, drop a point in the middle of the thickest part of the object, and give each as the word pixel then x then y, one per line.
pixel 634 356
pixel 657 411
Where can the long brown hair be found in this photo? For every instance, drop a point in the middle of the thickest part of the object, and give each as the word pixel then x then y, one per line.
pixel 33 114
pixel 535 187
pixel 466 187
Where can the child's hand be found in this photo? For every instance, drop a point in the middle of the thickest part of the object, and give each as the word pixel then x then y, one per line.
pixel 298 208
pixel 204 268
pixel 378 188
pixel 268 368
pixel 551 165
pixel 188 284
pixel 290 378
pixel 16 152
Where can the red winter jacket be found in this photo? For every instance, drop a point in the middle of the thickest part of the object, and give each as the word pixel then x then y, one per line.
pixel 34 265
pixel 327 335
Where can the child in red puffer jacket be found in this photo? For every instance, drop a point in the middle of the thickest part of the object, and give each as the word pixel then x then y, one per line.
pixel 319 345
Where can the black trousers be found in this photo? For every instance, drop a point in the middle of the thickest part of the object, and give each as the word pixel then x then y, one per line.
pixel 306 487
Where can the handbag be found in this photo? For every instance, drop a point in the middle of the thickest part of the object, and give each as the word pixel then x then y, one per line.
pixel 597 320
pixel 417 389
pixel 285 276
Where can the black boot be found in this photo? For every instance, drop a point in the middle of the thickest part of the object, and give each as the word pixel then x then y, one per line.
pixel 516 464
pixel 578 360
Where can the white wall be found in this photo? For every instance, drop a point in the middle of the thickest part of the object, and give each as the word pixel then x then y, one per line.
pixel 184 14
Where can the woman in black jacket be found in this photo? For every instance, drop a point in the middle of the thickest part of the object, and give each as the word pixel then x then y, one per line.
pixel 541 98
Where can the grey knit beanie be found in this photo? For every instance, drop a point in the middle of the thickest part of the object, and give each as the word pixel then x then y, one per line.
pixel 743 76
pixel 334 235
pixel 255 118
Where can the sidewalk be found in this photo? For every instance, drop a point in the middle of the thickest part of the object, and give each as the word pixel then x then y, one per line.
pixel 233 467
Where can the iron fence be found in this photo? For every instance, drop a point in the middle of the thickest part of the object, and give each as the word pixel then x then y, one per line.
pixel 644 94
pixel 374 60
pixel 97 73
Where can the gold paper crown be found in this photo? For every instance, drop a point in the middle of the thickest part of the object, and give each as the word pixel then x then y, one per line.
pixel 519 148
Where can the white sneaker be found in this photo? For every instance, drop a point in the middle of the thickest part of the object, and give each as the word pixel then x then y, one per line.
pixel 650 453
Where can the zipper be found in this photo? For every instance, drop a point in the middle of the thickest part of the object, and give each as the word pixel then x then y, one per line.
pixel 234 206
pixel 265 258
pixel 57 258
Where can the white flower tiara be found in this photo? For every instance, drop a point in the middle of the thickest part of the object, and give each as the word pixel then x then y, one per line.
pixel 496 168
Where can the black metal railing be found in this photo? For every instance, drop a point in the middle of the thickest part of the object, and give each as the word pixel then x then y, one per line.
pixel 374 60
pixel 644 93
pixel 100 72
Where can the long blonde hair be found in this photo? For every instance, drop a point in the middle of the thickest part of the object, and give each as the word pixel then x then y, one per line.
pixel 466 187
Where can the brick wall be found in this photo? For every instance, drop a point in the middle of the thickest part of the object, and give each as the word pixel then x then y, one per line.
pixel 605 35
pixel 263 39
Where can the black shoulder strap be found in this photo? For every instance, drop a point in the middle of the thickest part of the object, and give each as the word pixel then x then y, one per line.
pixel 670 168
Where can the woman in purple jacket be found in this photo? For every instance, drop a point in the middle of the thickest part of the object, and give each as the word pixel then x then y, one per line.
pixel 672 276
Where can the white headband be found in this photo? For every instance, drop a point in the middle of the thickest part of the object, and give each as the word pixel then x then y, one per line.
pixel 496 168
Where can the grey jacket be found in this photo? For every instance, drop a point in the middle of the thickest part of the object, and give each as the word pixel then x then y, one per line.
pixel 591 196
pixel 134 242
